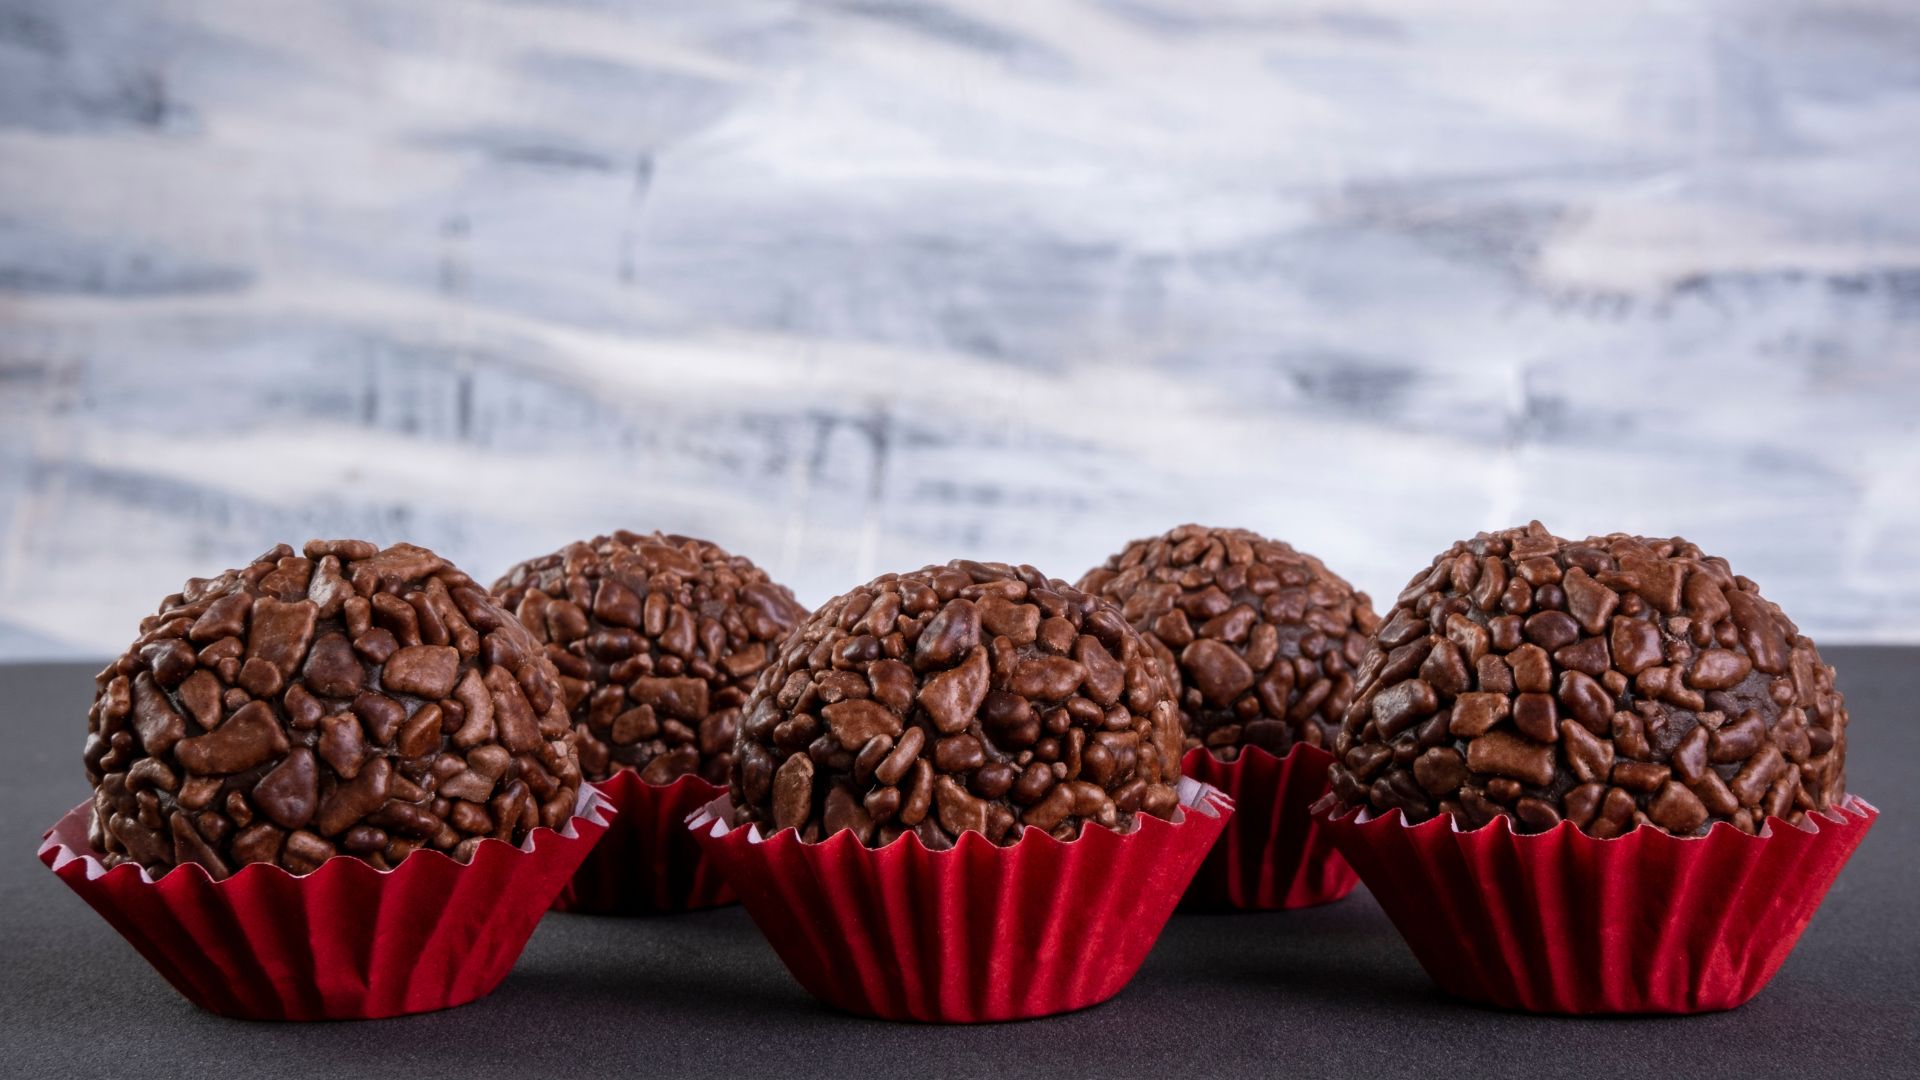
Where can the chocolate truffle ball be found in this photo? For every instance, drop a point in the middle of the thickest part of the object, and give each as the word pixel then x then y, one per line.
pixel 351 701
pixel 658 640
pixel 971 697
pixel 1259 640
pixel 1615 682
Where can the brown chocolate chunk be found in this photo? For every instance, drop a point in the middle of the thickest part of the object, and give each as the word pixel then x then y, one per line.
pixel 280 631
pixel 1214 668
pixel 854 723
pixel 426 671
pixel 251 736
pixel 1501 754
pixel 154 718
pixel 952 697
pixel 1403 705
pixel 332 669
pixel 949 635
pixel 289 792
pixel 1718 669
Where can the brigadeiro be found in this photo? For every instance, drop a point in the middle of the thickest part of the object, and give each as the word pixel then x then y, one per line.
pixel 1551 738
pixel 942 770
pixel 1260 643
pixel 658 640
pixel 307 773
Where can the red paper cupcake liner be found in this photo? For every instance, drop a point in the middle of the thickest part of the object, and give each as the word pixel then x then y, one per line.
pixel 973 934
pixel 1561 922
pixel 647 863
pixel 1275 854
pixel 344 942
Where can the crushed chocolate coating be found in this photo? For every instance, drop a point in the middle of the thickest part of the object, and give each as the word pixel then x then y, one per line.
pixel 970 697
pixel 347 701
pixel 659 640
pixel 1259 640
pixel 1616 682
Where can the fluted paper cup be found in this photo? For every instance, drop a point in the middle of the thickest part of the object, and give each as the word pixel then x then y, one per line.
pixel 1274 854
pixel 647 863
pixel 1562 922
pixel 972 934
pixel 344 942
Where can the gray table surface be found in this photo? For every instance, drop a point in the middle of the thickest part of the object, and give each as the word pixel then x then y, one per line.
pixel 1325 992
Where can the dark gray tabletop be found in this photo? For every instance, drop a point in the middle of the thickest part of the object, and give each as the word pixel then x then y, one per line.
pixel 1326 992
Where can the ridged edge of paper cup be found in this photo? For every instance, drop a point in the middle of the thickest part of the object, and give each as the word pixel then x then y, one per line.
pixel 647 863
pixel 1275 854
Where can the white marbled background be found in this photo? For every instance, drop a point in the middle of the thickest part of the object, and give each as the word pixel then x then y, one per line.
pixel 857 286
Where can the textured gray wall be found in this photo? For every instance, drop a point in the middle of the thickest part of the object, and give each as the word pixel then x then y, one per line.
pixel 859 286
